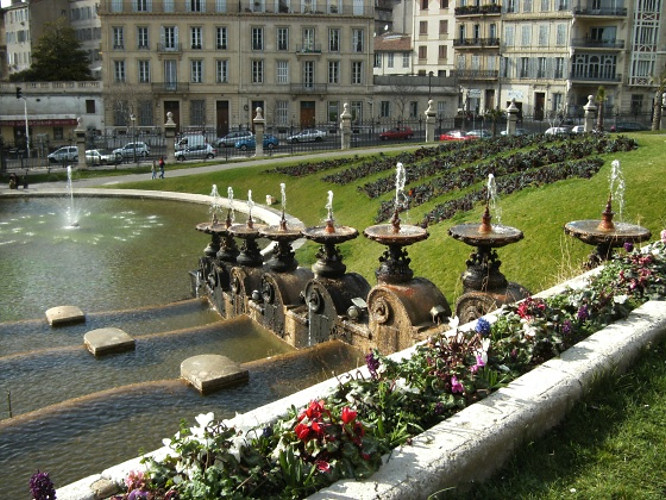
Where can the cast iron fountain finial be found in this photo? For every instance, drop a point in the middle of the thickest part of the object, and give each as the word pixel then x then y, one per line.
pixel 485 226
pixel 606 223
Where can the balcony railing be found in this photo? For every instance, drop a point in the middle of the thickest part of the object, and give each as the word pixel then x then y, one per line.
pixel 170 87
pixel 171 47
pixel 478 10
pixel 588 43
pixel 606 10
pixel 313 48
pixel 477 74
pixel 586 77
pixel 308 88
pixel 476 42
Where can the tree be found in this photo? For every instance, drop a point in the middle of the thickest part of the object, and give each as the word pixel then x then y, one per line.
pixel 57 56
pixel 657 101
pixel 600 98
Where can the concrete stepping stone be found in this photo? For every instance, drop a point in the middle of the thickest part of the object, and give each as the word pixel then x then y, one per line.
pixel 107 341
pixel 210 372
pixel 64 315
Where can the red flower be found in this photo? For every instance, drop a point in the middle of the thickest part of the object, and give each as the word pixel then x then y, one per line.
pixel 318 428
pixel 323 466
pixel 348 415
pixel 302 431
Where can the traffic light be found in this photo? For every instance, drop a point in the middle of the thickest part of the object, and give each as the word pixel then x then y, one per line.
pixel 19 93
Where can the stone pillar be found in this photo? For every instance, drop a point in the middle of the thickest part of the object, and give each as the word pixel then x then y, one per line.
pixel 80 133
pixel 169 135
pixel 430 123
pixel 259 126
pixel 590 114
pixel 512 119
pixel 345 127
pixel 662 123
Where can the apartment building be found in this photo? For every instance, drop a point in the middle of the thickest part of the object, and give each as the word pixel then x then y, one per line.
pixel 87 26
pixel 211 63
pixel 432 28
pixel 552 54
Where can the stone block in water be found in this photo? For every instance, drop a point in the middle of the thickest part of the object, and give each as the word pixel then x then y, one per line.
pixel 210 372
pixel 107 341
pixel 64 315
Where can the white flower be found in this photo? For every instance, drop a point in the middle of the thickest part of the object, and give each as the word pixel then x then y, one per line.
pixel 620 299
pixel 529 331
pixel 453 323
pixel 402 385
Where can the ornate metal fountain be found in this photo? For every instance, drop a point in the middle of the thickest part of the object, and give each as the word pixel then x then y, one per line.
pixel 606 234
pixel 484 287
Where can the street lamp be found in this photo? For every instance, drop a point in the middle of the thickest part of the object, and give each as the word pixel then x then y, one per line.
pixel 133 119
pixel 429 85
pixel 19 95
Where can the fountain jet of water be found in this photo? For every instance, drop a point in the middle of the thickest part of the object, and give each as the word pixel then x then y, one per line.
pixel 329 206
pixel 215 203
pixel 400 180
pixel 617 191
pixel 71 215
pixel 493 198
pixel 283 197
pixel 230 196
pixel 250 203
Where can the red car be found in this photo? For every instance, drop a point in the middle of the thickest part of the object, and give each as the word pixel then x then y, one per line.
pixel 456 135
pixel 397 133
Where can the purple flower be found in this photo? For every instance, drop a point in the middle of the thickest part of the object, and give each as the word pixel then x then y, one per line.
pixel 628 246
pixel 373 363
pixel 439 408
pixel 41 486
pixel 583 313
pixel 566 327
pixel 456 386
pixel 137 495
pixel 483 327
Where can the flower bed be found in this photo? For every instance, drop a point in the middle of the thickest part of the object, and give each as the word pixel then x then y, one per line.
pixel 345 434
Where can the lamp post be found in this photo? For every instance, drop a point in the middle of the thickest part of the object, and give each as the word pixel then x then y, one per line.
pixel 133 119
pixel 429 85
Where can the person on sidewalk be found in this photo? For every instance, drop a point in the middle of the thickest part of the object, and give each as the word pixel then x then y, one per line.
pixel 153 171
pixel 161 164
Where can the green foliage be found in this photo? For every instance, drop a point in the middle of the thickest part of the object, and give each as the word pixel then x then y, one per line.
pixel 57 56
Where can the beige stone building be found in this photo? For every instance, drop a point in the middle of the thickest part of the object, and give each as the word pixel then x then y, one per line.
pixel 212 62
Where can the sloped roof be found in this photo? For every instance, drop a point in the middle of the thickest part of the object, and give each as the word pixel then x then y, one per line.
pixel 393 42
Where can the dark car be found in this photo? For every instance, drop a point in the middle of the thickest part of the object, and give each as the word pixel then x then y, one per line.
pixel 270 142
pixel 627 127
pixel 397 133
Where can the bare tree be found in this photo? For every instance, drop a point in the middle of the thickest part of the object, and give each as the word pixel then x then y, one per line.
pixel 657 100
pixel 601 99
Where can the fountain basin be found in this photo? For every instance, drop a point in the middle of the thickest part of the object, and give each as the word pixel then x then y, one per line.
pixel 322 234
pixel 387 235
pixel 497 237
pixel 590 232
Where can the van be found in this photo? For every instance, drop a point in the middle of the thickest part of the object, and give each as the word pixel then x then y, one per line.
pixel 189 140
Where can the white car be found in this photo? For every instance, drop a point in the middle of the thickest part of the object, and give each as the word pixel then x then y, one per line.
pixel 557 131
pixel 64 154
pixel 102 157
pixel 132 149
pixel 308 135
pixel 196 151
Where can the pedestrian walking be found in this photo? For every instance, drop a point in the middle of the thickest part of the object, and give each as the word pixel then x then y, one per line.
pixel 161 164
pixel 153 171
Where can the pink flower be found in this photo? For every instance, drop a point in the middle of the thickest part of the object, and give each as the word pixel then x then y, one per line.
pixel 323 466
pixel 348 415
pixel 456 386
pixel 663 235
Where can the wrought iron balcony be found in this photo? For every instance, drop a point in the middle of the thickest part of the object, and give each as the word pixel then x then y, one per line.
pixel 309 49
pixel 605 10
pixel 170 87
pixel 171 48
pixel 308 88
pixel 479 10
pixel 476 42
pixel 589 43
pixel 477 74
pixel 588 78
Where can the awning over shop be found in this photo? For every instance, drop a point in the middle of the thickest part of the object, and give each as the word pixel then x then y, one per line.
pixel 39 122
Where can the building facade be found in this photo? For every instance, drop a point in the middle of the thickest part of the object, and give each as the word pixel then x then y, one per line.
pixel 211 63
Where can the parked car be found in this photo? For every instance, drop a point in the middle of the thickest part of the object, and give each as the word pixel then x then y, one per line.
pixel 132 149
pixel 456 135
pixel 397 133
pixel 518 131
pixel 196 151
pixel 230 140
pixel 578 129
pixel 307 135
pixel 627 127
pixel 64 154
pixel 482 133
pixel 189 140
pixel 102 157
pixel 270 142
pixel 557 131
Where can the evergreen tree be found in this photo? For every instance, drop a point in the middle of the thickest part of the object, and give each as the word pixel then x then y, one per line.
pixel 57 56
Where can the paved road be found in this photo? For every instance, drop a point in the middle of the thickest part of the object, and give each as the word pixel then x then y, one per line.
pixel 213 167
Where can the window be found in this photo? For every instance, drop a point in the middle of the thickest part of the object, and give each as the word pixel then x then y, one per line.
pixel 220 6
pixel 334 72
pixel 258 71
pixel 333 111
pixel 282 112
pixel 543 35
pixel 561 34
pixel 171 74
pixel 258 6
pixel 443 27
pixel 170 37
pixel 509 35
pixel 308 39
pixel 168 5
pixel 116 5
pixel 545 5
pixel 390 62
pixel 423 27
pixel 196 71
pixel 442 52
pixel 334 40
pixel 197 112
pixel 195 5
pixel 283 38
pixel 90 106
pixel 142 37
pixel 378 60
pixel 384 109
pixel 527 5
pixel 119 71
pixel 222 71
pixel 144 71
pixel 557 101
pixel 424 4
pixel 283 6
pixel 257 38
pixel 333 7
pixel 282 76
pixel 541 67
pixel 118 37
pixel 308 6
pixel 559 67
pixel 636 103
pixel 357 7
pixel 526 35
pixel 196 38
pixel 524 67
pixel 357 40
pixel 221 39
pixel 357 73
pixel 413 109
pixel 423 52
pixel 308 74
pixel 142 6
